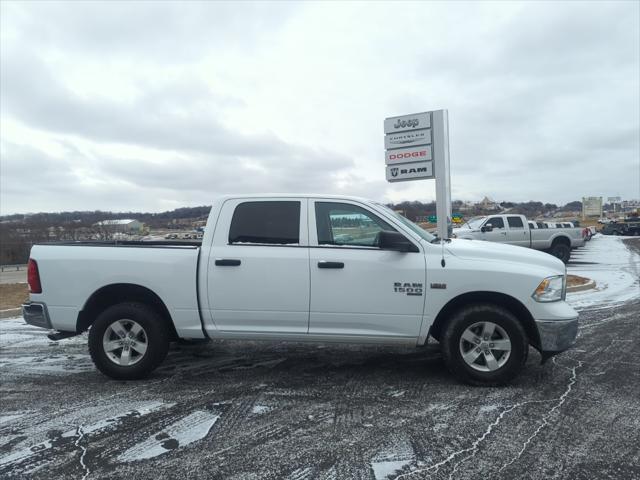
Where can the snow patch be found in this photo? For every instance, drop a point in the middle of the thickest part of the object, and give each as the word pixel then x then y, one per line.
pixel 185 431
pixel 99 426
pixel 382 470
pixel 615 269
pixel 56 364
pixel 260 409
pixel 394 458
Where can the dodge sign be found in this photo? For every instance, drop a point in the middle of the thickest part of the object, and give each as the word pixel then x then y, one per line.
pixel 406 155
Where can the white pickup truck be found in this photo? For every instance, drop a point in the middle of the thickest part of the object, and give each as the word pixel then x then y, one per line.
pixel 305 268
pixel 516 230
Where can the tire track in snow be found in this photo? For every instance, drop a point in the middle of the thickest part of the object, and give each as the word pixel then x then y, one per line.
pixel 473 449
pixel 545 417
pixel 80 434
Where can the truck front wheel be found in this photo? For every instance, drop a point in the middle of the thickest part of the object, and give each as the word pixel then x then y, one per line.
pixel 128 341
pixel 484 345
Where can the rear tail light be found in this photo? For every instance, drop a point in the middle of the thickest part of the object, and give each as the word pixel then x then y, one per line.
pixel 33 277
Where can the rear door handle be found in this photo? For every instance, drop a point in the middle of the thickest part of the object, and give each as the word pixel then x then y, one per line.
pixel 325 264
pixel 227 262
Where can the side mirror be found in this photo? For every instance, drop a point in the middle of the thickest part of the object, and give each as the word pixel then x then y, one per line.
pixel 487 228
pixel 388 240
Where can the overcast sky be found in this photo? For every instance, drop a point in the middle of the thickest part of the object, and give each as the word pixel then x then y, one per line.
pixel 157 105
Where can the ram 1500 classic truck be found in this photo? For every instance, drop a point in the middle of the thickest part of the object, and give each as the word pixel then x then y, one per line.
pixel 305 268
pixel 516 230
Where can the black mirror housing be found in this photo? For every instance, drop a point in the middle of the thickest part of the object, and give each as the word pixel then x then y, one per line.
pixel 487 228
pixel 388 240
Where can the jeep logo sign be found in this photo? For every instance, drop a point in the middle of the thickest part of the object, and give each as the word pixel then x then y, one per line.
pixel 405 123
pixel 414 122
pixel 411 154
pixel 409 171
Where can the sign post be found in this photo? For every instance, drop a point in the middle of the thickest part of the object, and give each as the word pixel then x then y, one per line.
pixel 418 148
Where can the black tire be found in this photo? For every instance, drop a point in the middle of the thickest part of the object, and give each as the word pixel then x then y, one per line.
pixel 561 251
pixel 466 318
pixel 155 333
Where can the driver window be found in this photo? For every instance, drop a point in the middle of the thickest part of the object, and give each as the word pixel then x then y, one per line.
pixel 496 222
pixel 348 225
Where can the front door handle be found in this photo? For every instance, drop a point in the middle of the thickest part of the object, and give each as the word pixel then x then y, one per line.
pixel 227 262
pixel 325 264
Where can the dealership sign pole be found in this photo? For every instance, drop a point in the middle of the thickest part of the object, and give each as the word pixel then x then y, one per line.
pixel 417 147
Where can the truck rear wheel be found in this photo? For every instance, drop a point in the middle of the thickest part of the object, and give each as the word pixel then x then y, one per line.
pixel 128 341
pixel 561 251
pixel 484 345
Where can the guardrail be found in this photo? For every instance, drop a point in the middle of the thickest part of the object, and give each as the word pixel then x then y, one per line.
pixel 13 268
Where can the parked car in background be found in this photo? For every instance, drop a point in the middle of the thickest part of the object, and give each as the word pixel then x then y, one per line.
pixel 621 228
pixel 515 230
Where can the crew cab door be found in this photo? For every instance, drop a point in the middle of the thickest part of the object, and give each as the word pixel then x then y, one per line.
pixel 358 289
pixel 498 233
pixel 258 270
pixel 517 233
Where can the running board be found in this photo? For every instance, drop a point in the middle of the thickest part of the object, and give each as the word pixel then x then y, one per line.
pixel 55 336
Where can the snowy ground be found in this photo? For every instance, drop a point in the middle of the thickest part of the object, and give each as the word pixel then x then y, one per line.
pixel 245 410
pixel 614 267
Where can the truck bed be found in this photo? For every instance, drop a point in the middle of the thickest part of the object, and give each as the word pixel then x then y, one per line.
pixel 71 272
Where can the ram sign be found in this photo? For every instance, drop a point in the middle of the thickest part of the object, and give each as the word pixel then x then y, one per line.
pixel 409 171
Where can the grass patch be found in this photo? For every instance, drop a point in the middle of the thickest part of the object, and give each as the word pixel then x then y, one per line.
pixel 13 295
pixel 576 280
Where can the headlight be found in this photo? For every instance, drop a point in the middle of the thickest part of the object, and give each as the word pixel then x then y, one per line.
pixel 551 289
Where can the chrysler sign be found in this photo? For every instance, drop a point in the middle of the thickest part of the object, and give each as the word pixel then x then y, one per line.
pixel 407 139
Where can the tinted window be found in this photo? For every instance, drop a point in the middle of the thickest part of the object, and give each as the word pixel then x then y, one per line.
pixel 515 222
pixel 496 222
pixel 542 225
pixel 345 224
pixel 266 222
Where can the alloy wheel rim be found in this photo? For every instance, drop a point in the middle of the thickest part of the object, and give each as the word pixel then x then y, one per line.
pixel 125 342
pixel 485 346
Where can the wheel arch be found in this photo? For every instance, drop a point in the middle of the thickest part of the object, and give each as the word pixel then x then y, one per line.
pixel 115 293
pixel 501 299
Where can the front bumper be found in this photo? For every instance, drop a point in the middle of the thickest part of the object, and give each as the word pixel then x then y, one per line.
pixel 36 314
pixel 557 335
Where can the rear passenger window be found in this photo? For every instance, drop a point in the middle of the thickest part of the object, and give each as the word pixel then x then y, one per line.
pixel 271 223
pixel 515 222
pixel 496 222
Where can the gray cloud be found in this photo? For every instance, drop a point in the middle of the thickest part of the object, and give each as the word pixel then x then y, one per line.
pixel 543 99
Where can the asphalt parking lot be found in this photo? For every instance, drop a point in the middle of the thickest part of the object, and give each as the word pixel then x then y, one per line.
pixel 251 410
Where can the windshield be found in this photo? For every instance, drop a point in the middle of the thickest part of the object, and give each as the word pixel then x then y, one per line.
pixel 405 221
pixel 475 222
